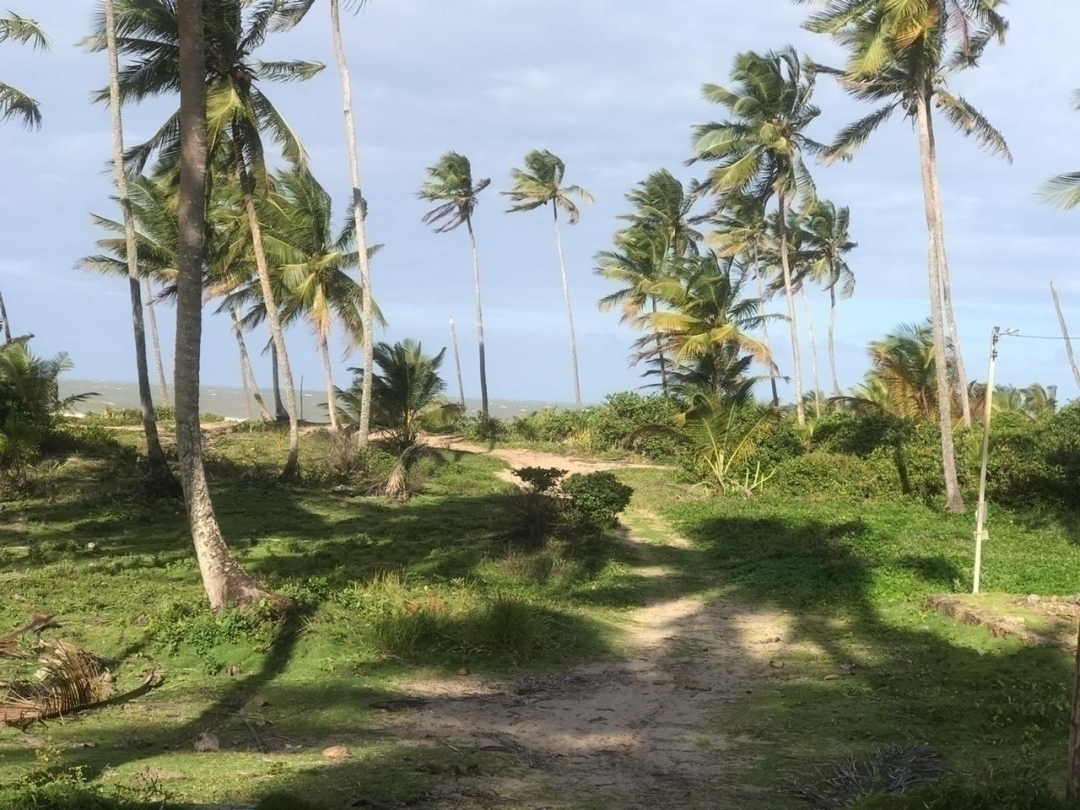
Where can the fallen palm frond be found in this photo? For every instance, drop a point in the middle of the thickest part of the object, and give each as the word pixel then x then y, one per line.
pixel 68 679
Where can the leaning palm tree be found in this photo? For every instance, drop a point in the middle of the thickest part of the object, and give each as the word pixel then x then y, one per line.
pixel 159 466
pixel 759 151
pixel 225 582
pixel 826 241
pixel 901 53
pixel 538 184
pixel 16 104
pixel 239 115
pixel 451 186
pixel 313 263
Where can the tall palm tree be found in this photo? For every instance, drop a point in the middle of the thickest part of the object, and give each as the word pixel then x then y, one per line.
pixel 16 104
pixel 313 263
pixel 538 184
pixel 826 241
pixel 901 53
pixel 159 466
pixel 706 320
pixel 155 339
pixel 225 582
pixel 239 115
pixel 759 151
pixel 451 186
pixel 741 230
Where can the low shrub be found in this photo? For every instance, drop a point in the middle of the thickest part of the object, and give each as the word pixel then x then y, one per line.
pixel 833 475
pixel 596 499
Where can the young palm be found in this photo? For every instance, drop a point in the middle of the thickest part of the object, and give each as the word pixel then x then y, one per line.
pixel 225 582
pixel 239 114
pixel 706 315
pixel 901 54
pixel 159 466
pixel 759 151
pixel 1063 191
pixel 451 186
pixel 16 104
pixel 826 241
pixel 538 184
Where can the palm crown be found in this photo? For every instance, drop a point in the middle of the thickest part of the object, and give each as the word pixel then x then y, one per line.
pixel 13 102
pixel 541 182
pixel 450 184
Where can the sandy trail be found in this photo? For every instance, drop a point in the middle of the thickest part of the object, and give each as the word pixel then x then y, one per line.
pixel 643 731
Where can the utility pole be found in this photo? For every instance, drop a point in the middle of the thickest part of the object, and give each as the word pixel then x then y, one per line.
pixel 981 535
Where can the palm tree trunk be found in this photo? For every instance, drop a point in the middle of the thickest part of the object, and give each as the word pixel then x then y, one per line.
pixel 660 354
pixel 324 350
pixel 457 362
pixel 765 329
pixel 277 334
pixel 159 465
pixel 569 307
pixel 954 498
pixel 814 352
pixel 832 342
pixel 359 217
pixel 785 266
pixel 479 320
pixel 4 320
pixel 280 414
pixel 961 381
pixel 1065 333
pixel 226 583
pixel 155 338
pixel 245 366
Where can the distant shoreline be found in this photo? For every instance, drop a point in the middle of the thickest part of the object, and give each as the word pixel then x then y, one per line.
pixel 228 402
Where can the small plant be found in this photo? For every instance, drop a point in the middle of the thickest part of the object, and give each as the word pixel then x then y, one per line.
pixel 892 770
pixel 540 479
pixel 597 498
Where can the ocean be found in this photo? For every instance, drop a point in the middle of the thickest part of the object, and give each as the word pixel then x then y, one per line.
pixel 229 402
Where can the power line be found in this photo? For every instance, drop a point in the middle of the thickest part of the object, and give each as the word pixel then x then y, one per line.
pixel 1036 337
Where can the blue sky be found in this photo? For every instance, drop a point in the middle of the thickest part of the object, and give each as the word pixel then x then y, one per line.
pixel 613 87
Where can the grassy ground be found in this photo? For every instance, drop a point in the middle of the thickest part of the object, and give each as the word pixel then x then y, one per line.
pixel 854 579
pixel 385 591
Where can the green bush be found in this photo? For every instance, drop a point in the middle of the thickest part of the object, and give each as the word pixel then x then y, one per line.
pixel 597 498
pixel 540 479
pixel 482 428
pixel 859 433
pixel 833 475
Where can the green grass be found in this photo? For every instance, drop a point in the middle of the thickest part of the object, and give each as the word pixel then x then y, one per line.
pixel 384 592
pixel 853 581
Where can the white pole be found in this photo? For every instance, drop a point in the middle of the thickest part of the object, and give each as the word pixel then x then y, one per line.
pixel 980 511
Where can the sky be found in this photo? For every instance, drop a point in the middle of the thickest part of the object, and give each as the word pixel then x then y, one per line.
pixel 614 88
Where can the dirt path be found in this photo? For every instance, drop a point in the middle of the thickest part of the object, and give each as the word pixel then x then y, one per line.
pixel 644 731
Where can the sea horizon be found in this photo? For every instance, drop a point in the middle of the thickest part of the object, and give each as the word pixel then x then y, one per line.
pixel 229 401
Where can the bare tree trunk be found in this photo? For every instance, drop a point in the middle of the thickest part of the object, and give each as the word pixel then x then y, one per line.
pixel 954 498
pixel 4 320
pixel 789 292
pixel 1065 334
pixel 324 350
pixel 569 308
pixel 663 359
pixel 832 342
pixel 277 334
pixel 457 362
pixel 814 352
pixel 280 414
pixel 359 217
pixel 155 338
pixel 479 320
pixel 226 583
pixel 1072 787
pixel 765 330
pixel 159 465
pixel 245 366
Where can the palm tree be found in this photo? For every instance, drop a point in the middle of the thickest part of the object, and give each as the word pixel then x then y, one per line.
pixel 406 388
pixel 16 104
pixel 826 241
pixel 451 186
pixel 239 115
pixel 155 338
pixel 706 317
pixel 159 466
pixel 13 102
pixel 1040 401
pixel 741 230
pixel 759 151
pixel 312 264
pixel 226 583
pixel 538 184
pixel 902 52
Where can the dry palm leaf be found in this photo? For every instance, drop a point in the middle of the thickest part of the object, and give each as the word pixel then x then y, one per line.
pixel 9 644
